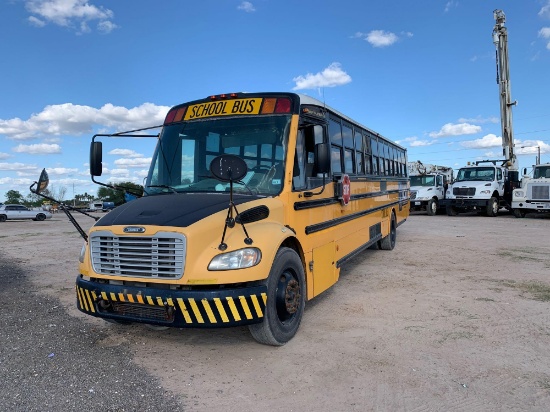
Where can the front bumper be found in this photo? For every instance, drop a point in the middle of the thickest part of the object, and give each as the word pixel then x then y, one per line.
pixel 199 308
pixel 465 203
pixel 531 205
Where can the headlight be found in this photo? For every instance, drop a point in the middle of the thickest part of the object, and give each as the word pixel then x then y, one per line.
pixel 82 253
pixel 239 259
pixel 484 192
pixel 518 193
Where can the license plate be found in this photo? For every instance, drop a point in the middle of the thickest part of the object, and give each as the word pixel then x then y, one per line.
pixel 417 203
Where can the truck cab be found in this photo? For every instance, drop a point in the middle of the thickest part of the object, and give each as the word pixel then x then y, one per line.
pixel 428 186
pixel 478 188
pixel 534 194
pixel 427 191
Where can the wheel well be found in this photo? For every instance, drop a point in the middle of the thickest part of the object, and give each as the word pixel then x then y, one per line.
pixel 495 194
pixel 293 243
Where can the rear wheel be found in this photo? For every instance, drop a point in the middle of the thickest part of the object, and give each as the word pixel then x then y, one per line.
pixel 432 207
pixel 388 242
pixel 492 207
pixel 286 289
pixel 40 217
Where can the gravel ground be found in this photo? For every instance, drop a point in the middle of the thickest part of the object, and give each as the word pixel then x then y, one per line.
pixel 50 361
pixel 455 318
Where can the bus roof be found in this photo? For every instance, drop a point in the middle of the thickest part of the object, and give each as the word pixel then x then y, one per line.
pixel 304 99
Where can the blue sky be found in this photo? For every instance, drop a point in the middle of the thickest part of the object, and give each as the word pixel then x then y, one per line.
pixel 422 73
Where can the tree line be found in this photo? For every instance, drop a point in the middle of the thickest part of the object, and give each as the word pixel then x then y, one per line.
pixel 105 194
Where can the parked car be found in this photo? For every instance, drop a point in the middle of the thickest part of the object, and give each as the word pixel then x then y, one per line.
pixel 12 212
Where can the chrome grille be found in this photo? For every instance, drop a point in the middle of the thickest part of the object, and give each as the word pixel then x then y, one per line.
pixel 158 256
pixel 540 192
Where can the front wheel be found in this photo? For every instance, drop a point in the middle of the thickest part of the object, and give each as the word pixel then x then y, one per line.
pixel 451 210
pixel 492 207
pixel 286 289
pixel 432 207
pixel 388 242
pixel 519 213
pixel 3 218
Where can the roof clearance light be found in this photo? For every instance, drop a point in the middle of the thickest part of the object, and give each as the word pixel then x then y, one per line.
pixel 268 106
pixel 282 106
pixel 170 116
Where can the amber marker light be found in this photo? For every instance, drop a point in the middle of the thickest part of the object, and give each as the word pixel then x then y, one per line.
pixel 269 105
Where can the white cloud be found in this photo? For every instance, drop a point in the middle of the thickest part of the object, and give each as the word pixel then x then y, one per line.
pixel 332 76
pixel 36 22
pixel 460 129
pixel 125 153
pixel 106 26
pixel 42 148
pixel 489 140
pixel 4 156
pixel 57 171
pixel 420 143
pixel 139 162
pixel 545 34
pixel 381 38
pixel 69 13
pixel 449 5
pixel 14 167
pixel 71 119
pixel 545 10
pixel 479 120
pixel 246 6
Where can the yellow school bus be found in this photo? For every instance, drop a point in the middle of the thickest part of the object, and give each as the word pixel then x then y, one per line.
pixel 252 204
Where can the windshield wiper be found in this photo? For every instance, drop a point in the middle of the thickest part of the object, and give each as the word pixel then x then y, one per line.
pixel 164 187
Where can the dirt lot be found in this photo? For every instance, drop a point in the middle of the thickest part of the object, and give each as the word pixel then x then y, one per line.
pixel 455 318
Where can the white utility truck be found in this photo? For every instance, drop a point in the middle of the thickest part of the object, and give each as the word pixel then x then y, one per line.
pixel 428 185
pixel 534 194
pixel 485 186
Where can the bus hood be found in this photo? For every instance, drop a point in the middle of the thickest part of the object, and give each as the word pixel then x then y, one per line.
pixel 181 209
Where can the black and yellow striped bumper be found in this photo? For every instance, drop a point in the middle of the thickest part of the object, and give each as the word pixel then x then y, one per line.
pixel 176 308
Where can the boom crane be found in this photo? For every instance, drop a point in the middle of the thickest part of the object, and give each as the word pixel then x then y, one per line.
pixel 500 39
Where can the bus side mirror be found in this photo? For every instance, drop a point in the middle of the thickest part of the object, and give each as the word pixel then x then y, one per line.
pixel 96 157
pixel 322 158
pixel 525 171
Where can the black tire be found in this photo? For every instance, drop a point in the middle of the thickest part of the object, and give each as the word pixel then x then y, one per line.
pixel 286 298
pixel 492 207
pixel 451 210
pixel 3 218
pixel 40 217
pixel 432 207
pixel 519 213
pixel 388 242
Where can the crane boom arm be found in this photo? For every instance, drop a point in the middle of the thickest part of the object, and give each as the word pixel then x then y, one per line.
pixel 500 40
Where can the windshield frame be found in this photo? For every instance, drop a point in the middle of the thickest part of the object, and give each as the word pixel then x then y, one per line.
pixel 181 160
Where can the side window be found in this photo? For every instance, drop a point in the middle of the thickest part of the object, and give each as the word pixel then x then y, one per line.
pixel 499 174
pixel 374 146
pixel 347 134
pixel 335 160
pixel 299 174
pixel 336 141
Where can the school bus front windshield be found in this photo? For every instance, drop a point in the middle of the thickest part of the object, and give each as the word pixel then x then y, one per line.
pixel 182 158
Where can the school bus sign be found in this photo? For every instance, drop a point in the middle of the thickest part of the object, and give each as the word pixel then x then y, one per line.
pixel 223 108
